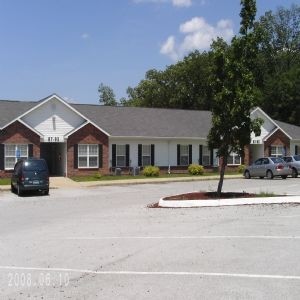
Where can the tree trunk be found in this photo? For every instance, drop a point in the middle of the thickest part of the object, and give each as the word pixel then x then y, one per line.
pixel 222 173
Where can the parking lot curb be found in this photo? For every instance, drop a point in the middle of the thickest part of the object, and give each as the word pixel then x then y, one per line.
pixel 228 202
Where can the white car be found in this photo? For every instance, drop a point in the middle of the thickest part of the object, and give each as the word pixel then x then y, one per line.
pixel 268 167
pixel 294 162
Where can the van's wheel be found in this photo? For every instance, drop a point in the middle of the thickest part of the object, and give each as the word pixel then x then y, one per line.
pixel 294 173
pixel 19 191
pixel 270 174
pixel 46 192
pixel 12 188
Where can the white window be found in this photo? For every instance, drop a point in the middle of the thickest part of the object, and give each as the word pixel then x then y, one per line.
pixel 146 155
pixel 184 155
pixel 205 156
pixel 13 153
pixel 88 156
pixel 277 151
pixel 234 159
pixel 120 155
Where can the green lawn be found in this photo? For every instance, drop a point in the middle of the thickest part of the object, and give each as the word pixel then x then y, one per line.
pixel 96 177
pixel 4 181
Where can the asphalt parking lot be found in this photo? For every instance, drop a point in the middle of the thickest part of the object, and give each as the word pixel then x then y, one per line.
pixel 105 243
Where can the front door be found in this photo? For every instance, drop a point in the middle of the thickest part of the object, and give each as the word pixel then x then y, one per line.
pixel 54 154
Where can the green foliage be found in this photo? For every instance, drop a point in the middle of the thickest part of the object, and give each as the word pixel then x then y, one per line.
pixel 277 68
pixel 268 48
pixel 182 85
pixel 151 171
pixel 266 194
pixel 106 95
pixel 233 89
pixel 247 15
pixel 195 169
pixel 98 175
pixel 241 169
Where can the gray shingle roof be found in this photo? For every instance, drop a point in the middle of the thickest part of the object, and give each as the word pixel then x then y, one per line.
pixel 10 110
pixel 148 122
pixel 292 130
pixel 137 121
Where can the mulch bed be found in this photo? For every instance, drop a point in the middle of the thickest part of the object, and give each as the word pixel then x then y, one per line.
pixel 209 196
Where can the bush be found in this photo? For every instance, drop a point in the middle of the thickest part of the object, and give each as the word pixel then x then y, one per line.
pixel 151 171
pixel 241 169
pixel 194 169
pixel 98 175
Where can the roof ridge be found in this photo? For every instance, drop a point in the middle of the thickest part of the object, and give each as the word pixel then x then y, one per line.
pixel 139 107
pixel 18 101
pixel 282 122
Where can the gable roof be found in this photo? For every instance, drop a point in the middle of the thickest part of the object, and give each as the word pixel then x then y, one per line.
pixel 11 110
pixel 292 130
pixel 136 121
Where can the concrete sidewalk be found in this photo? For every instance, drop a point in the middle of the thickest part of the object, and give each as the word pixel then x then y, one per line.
pixel 65 182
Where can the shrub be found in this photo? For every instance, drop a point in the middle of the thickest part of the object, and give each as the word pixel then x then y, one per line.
pixel 97 175
pixel 241 169
pixel 194 169
pixel 151 171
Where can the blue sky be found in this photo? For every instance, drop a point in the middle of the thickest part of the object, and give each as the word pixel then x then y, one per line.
pixel 69 47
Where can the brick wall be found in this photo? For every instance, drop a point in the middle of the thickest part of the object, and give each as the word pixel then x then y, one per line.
pixel 17 133
pixel 89 134
pixel 247 159
pixel 277 139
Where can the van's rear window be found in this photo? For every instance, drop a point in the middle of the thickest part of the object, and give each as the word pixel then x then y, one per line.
pixel 35 165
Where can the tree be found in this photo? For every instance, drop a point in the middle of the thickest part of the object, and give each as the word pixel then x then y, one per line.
pixel 278 65
pixel 106 95
pixel 233 87
pixel 282 96
pixel 184 85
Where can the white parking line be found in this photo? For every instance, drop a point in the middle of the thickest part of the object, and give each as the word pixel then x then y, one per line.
pixel 267 237
pixel 292 216
pixel 141 273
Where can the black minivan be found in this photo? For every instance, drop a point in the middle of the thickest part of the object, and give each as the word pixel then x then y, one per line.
pixel 30 175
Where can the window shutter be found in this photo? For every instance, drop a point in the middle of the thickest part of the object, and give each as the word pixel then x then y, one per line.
pixel 200 154
pixel 113 155
pixel 30 150
pixel 270 150
pixel 140 147
pixel 100 149
pixel 152 154
pixel 296 150
pixel 76 156
pixel 190 154
pixel 178 155
pixel 211 157
pixel 1 156
pixel 127 155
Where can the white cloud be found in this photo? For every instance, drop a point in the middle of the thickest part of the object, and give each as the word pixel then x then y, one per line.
pixel 177 3
pixel 198 34
pixel 85 36
pixel 182 3
pixel 168 48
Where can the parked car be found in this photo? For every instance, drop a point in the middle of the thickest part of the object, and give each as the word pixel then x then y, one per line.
pixel 268 167
pixel 30 175
pixel 294 162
